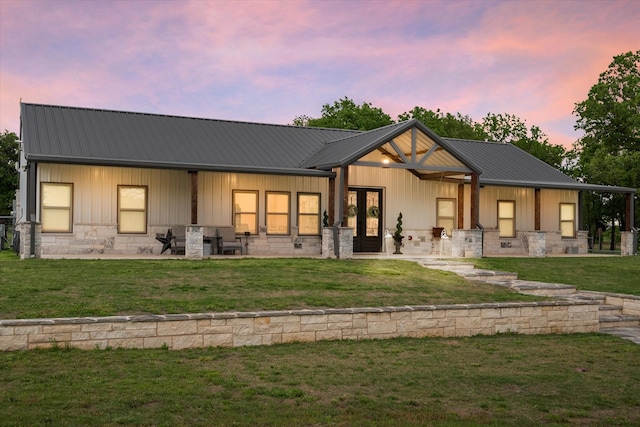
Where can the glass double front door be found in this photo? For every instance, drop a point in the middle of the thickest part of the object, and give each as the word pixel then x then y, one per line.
pixel 364 216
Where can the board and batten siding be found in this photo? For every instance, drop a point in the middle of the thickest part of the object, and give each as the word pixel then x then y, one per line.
pixel 550 207
pixel 216 188
pixel 95 192
pixel 525 206
pixel 169 192
pixel 406 193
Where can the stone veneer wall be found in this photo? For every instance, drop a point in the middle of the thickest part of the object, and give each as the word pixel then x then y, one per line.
pixel 182 331
pixel 534 243
pixel 345 237
pixel 104 239
pixel 626 243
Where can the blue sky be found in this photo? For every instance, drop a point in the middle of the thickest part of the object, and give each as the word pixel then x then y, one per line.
pixel 270 61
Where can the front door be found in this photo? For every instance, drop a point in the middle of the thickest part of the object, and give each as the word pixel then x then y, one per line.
pixel 364 216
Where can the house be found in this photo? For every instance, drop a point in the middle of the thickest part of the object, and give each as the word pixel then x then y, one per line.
pixel 108 182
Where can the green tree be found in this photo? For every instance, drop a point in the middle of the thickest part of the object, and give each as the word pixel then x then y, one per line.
pixel 609 151
pixel 446 124
pixel 346 114
pixel 508 128
pixel 9 150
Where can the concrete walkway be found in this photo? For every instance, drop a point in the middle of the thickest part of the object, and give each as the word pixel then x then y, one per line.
pixel 612 319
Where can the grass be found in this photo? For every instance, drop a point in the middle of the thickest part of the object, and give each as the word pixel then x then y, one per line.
pixel 602 274
pixel 68 288
pixel 510 380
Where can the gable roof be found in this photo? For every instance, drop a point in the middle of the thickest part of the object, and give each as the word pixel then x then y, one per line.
pixel 58 134
pixel 349 149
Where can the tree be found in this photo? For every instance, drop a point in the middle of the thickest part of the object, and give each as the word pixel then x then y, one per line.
pixel 446 124
pixel 9 150
pixel 511 129
pixel 346 114
pixel 609 151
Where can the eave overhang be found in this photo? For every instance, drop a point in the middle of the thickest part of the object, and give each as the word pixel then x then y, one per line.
pixel 180 166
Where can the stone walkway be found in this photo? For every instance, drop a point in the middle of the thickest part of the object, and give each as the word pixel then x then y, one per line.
pixel 612 320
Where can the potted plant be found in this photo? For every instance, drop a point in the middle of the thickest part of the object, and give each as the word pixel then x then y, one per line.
pixel 397 235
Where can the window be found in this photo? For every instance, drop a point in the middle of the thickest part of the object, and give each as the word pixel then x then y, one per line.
pixel 278 208
pixel 56 207
pixel 567 219
pixel 132 209
pixel 308 214
pixel 507 218
pixel 245 211
pixel 446 214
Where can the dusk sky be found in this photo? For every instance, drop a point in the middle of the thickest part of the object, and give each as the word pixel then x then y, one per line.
pixel 270 61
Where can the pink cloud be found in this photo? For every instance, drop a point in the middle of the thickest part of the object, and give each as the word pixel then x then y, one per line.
pixel 270 61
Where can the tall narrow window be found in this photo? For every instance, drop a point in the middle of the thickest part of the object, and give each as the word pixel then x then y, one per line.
pixel 446 214
pixel 245 211
pixel 56 205
pixel 507 218
pixel 278 209
pixel 308 214
pixel 132 209
pixel 567 219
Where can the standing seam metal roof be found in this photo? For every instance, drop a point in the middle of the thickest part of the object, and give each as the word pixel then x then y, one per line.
pixel 106 137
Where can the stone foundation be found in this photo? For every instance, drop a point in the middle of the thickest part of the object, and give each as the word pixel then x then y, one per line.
pixel 534 243
pixel 182 331
pixel 627 247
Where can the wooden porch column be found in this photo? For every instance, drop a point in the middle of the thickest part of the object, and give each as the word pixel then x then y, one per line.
pixel 194 197
pixel 536 220
pixel 475 200
pixel 460 206
pixel 580 212
pixel 332 200
pixel 630 220
pixel 344 194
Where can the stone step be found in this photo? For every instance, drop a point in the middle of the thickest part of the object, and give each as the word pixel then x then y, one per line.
pixel 488 275
pixel 543 289
pixel 585 296
pixel 610 310
pixel 619 321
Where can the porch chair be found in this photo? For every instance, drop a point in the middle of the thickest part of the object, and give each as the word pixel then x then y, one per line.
pixel 228 240
pixel 178 240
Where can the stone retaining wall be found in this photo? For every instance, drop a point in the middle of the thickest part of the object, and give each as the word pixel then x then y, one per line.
pixel 630 303
pixel 182 331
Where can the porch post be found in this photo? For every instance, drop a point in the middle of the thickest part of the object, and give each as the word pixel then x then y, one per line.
pixel 536 221
pixel 460 206
pixel 630 220
pixel 344 194
pixel 194 197
pixel 580 212
pixel 475 200
pixel 32 184
pixel 332 200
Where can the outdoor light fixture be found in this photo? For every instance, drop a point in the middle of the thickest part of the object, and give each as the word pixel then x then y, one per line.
pixel 385 160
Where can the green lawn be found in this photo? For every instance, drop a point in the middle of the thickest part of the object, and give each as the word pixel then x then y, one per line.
pixel 602 274
pixel 510 380
pixel 579 379
pixel 66 288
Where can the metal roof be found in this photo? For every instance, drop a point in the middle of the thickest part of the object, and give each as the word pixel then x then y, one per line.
pixel 58 134
pixel 508 165
pixel 90 136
